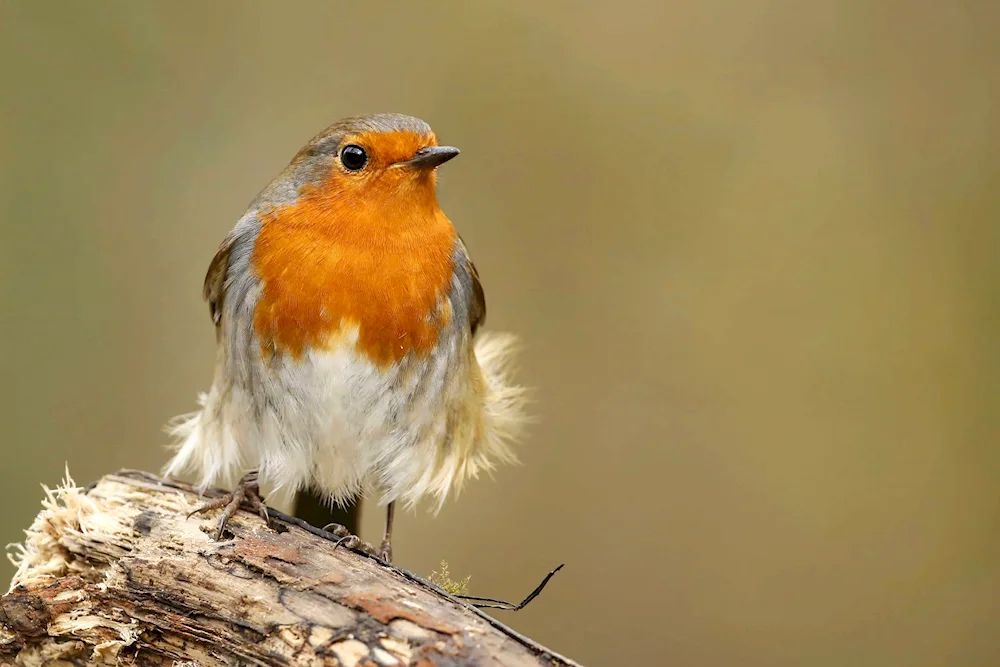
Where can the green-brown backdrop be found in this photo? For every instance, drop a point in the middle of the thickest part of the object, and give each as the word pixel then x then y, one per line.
pixel 751 247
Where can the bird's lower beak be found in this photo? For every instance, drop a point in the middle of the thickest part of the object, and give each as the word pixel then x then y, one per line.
pixel 430 157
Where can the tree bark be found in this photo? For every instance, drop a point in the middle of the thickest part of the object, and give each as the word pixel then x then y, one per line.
pixel 115 574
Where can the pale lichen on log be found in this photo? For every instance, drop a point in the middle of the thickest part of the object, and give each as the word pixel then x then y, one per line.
pixel 115 574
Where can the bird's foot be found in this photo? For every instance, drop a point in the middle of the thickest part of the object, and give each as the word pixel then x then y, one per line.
pixel 356 543
pixel 246 491
pixel 385 551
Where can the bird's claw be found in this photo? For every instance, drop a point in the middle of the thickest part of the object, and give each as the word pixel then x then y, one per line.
pixel 246 491
pixel 353 542
pixel 385 551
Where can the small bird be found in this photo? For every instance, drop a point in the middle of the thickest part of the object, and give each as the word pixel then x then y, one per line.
pixel 350 352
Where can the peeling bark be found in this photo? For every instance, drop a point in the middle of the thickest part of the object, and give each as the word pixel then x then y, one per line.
pixel 116 575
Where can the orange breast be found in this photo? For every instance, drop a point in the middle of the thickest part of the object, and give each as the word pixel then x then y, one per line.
pixel 342 257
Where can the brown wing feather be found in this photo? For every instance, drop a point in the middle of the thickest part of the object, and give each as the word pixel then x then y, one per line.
pixel 215 282
pixel 477 305
pixel 477 300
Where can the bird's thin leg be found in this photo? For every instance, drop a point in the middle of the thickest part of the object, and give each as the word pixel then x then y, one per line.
pixel 386 549
pixel 246 491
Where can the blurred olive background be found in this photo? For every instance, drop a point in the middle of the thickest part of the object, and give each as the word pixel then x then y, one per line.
pixel 751 247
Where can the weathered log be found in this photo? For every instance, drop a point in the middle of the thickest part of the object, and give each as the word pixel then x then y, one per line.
pixel 116 574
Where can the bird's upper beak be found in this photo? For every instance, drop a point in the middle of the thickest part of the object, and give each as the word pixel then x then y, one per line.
pixel 429 157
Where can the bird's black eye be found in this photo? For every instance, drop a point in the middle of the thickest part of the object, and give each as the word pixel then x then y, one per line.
pixel 353 157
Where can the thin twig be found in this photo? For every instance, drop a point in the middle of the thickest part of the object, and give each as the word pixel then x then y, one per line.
pixel 493 603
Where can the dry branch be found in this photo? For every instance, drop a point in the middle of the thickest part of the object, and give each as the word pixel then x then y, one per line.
pixel 115 574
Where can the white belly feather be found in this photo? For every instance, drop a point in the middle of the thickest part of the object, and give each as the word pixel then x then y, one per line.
pixel 335 421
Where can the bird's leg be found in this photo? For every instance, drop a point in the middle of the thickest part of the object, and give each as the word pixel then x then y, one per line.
pixel 248 491
pixel 386 549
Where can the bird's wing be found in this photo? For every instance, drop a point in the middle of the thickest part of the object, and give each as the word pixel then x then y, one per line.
pixel 477 298
pixel 215 281
pixel 234 253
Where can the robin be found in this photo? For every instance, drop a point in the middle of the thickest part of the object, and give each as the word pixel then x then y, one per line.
pixel 350 351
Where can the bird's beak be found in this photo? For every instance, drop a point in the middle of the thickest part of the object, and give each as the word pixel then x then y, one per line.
pixel 429 157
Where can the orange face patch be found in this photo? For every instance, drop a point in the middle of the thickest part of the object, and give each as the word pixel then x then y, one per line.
pixel 388 148
pixel 370 249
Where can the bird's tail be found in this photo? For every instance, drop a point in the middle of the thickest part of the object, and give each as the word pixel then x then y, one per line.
pixel 506 403
pixel 487 436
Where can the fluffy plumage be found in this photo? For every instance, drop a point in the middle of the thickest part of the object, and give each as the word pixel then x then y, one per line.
pixel 348 314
